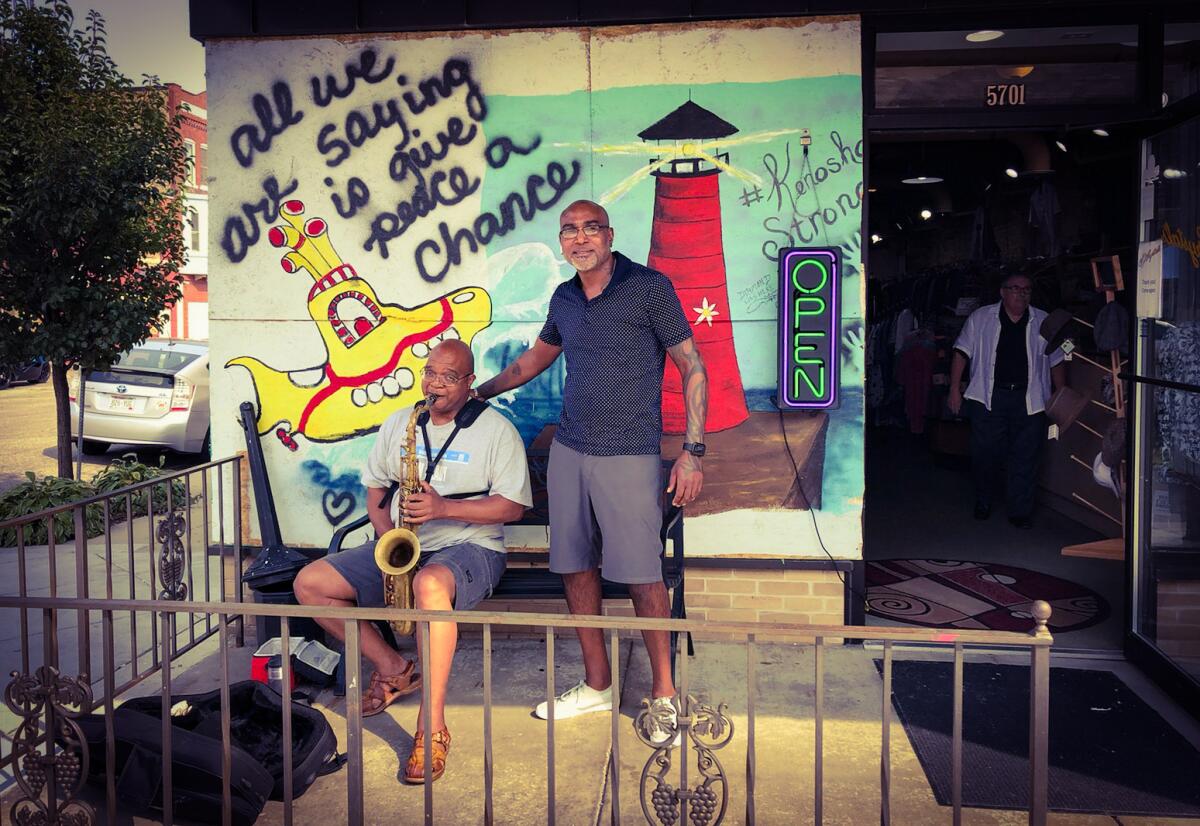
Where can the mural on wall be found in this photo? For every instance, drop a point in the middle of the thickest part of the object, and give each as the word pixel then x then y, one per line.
pixel 443 162
pixel 375 351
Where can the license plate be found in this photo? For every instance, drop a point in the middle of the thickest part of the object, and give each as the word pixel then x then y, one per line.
pixel 121 403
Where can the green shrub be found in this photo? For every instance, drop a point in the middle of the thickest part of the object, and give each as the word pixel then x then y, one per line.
pixel 127 470
pixel 36 494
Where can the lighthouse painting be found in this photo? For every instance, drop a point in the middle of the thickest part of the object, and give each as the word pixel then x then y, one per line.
pixel 689 152
pixel 686 245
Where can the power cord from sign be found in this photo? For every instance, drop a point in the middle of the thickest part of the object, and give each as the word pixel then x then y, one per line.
pixel 813 515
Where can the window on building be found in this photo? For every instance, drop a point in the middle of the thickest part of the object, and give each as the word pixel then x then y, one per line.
pixel 190 146
pixel 202 163
pixel 193 219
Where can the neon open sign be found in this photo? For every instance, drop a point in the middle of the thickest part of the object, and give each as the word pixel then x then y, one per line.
pixel 809 327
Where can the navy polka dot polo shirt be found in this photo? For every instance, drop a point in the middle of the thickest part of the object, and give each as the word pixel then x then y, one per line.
pixel 615 346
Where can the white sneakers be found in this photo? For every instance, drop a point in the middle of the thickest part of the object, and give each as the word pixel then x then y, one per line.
pixel 662 723
pixel 580 698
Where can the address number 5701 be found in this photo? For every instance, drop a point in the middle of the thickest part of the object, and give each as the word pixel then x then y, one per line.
pixel 1005 94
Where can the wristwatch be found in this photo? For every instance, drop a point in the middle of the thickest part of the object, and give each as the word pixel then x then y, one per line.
pixel 694 448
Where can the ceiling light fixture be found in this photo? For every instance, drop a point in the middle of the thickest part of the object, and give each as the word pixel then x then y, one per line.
pixel 876 237
pixel 1010 172
pixel 922 179
pixel 1062 147
pixel 1173 174
pixel 1101 131
pixel 984 35
pixel 926 214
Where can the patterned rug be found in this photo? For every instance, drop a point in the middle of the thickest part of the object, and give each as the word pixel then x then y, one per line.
pixel 943 593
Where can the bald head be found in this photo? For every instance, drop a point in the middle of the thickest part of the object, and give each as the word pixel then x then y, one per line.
pixel 587 207
pixel 455 355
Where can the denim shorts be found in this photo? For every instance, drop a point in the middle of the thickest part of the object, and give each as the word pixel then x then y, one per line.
pixel 476 571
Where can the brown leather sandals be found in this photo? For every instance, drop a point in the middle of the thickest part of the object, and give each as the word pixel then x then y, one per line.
pixel 383 691
pixel 414 770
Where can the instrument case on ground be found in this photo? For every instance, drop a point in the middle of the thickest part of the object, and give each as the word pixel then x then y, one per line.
pixel 256 735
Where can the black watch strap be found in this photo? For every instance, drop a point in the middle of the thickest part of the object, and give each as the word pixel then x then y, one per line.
pixel 694 448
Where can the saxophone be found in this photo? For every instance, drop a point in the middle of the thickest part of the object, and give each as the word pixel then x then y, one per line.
pixel 398 550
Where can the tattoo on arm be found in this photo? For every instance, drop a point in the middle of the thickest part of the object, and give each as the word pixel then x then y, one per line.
pixel 695 386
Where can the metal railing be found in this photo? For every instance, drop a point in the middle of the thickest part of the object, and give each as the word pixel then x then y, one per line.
pixel 174 537
pixel 703 727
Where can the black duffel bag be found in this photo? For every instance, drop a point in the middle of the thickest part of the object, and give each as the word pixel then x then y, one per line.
pixel 256 735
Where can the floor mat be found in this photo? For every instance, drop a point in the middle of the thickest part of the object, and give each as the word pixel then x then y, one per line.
pixel 943 593
pixel 1109 751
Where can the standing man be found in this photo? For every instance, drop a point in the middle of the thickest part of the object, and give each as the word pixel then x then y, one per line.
pixel 616 321
pixel 462 539
pixel 1011 378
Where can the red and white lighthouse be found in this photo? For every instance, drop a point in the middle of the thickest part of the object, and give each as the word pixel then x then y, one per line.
pixel 686 246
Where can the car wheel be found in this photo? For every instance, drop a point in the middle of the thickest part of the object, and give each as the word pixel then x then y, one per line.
pixel 93 448
pixel 45 374
pixel 5 381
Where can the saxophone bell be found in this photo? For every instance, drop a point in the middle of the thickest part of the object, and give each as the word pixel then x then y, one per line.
pixel 397 551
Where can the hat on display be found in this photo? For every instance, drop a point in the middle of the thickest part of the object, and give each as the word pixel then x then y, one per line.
pixel 1055 329
pixel 1065 406
pixel 1112 446
pixel 1105 476
pixel 1111 330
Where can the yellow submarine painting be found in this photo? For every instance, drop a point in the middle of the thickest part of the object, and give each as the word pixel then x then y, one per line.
pixel 375 351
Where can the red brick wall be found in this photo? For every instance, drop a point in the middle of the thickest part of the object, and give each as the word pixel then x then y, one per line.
pixel 719 594
pixel 1179 622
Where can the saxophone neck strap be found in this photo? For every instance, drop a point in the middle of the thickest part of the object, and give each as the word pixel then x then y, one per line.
pixel 465 417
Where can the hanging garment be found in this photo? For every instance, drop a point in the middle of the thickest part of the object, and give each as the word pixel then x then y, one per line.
pixel 915 372
pixel 1043 220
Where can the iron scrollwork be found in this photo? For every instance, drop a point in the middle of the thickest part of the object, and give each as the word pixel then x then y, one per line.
pixel 706 729
pixel 59 768
pixel 171 559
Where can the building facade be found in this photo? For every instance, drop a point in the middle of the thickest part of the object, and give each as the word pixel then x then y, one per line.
pixel 386 176
pixel 189 316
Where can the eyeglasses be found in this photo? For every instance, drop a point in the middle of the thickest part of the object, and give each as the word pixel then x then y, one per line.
pixel 444 379
pixel 590 230
pixel 1019 290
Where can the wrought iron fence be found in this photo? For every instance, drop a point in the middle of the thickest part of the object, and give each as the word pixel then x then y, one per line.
pixel 46 700
pixel 173 537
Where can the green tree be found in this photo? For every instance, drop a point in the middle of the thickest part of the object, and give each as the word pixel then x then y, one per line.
pixel 91 198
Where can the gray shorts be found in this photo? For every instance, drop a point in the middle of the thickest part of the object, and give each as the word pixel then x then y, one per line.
pixel 606 513
pixel 476 571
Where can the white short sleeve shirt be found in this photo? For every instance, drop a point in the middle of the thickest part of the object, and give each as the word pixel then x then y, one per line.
pixel 487 456
pixel 978 341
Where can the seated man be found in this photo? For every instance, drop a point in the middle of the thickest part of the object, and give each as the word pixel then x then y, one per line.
pixel 462 539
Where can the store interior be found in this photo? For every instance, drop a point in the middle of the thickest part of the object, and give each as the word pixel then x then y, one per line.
pixel 950 215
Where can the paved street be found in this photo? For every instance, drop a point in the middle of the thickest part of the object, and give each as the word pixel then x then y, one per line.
pixel 28 440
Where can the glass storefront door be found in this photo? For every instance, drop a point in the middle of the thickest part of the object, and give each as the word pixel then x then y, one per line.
pixel 1166 455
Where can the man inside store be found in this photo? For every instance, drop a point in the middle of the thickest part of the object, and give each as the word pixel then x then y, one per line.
pixel 1005 401
pixel 617 321
pixel 476 478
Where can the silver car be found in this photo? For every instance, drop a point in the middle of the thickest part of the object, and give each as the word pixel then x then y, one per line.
pixel 156 394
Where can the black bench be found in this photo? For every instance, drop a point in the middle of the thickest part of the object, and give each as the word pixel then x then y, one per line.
pixel 540 583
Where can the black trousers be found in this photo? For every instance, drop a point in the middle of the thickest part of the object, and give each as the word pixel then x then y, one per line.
pixel 1006 433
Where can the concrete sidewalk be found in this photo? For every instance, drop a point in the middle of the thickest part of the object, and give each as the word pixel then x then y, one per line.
pixel 584 790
